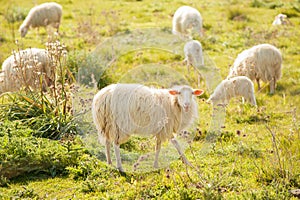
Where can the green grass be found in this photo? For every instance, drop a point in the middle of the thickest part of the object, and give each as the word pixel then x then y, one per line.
pixel 257 154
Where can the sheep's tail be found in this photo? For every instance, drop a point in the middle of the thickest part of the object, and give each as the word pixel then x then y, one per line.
pixel 102 115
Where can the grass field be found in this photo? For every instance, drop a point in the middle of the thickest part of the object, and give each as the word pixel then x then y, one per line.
pixel 48 152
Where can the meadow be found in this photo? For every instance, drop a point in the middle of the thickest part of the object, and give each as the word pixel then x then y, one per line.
pixel 48 148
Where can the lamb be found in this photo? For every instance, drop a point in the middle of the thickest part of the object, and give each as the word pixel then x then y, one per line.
pixel 185 18
pixel 193 53
pixel 41 16
pixel 259 62
pixel 24 68
pixel 233 87
pixel 120 110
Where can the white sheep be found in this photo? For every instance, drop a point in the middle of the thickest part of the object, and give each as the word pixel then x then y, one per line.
pixel 24 69
pixel 233 87
pixel 185 18
pixel 193 53
pixel 193 56
pixel 259 62
pixel 41 16
pixel 120 110
pixel 281 19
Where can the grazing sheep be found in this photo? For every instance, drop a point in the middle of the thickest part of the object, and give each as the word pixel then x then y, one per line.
pixel 233 87
pixel 24 68
pixel 41 16
pixel 259 62
pixel 186 18
pixel 120 110
pixel 281 19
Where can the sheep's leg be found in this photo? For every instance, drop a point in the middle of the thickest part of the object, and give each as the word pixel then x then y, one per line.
pixel 177 146
pixel 272 86
pixel 118 157
pixel 57 26
pixel 107 148
pixel 258 84
pixel 243 100
pixel 157 151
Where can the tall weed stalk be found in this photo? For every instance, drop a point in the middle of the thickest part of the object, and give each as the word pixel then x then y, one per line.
pixel 47 110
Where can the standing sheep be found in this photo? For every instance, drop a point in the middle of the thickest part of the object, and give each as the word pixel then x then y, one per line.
pixel 120 110
pixel 259 62
pixel 186 18
pixel 24 68
pixel 193 53
pixel 41 16
pixel 233 87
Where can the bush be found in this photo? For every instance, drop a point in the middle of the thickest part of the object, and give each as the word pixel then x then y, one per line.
pixel 20 154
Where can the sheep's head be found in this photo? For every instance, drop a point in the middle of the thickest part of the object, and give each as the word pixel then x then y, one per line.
pixel 23 30
pixel 282 17
pixel 185 96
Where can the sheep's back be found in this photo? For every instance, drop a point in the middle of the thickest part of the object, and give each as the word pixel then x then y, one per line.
pixel 24 67
pixel 44 14
pixel 138 109
pixel 268 62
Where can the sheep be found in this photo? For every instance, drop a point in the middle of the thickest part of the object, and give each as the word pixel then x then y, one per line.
pixel 120 110
pixel 41 16
pixel 186 17
pixel 259 62
pixel 193 53
pixel 24 68
pixel 281 19
pixel 233 87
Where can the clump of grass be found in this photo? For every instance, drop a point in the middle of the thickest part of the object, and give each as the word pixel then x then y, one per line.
pixel 21 154
pixel 45 110
pixel 236 14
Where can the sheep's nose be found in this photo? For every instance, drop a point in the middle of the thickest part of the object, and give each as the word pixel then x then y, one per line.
pixel 186 106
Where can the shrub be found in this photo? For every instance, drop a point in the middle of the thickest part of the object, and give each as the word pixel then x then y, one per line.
pixel 19 154
pixel 47 112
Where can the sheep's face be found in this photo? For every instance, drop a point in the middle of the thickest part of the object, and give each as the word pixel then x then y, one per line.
pixel 185 96
pixel 282 17
pixel 23 31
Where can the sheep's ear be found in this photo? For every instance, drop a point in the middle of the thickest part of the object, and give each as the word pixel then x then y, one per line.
pixel 173 92
pixel 198 92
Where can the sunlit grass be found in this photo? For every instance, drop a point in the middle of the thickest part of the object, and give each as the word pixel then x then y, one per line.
pixel 256 155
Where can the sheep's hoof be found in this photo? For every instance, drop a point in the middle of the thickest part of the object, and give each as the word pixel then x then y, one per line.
pixel 120 169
